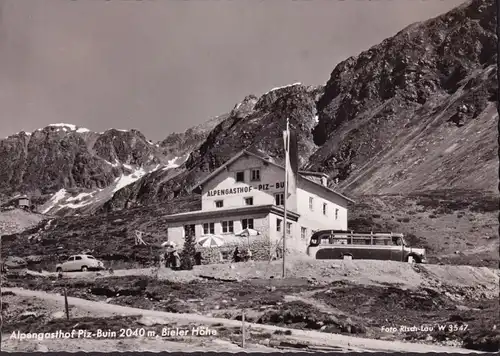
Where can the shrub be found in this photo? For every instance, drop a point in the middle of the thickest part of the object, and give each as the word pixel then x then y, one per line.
pixel 189 251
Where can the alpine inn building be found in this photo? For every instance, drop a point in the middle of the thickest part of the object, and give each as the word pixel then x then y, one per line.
pixel 248 192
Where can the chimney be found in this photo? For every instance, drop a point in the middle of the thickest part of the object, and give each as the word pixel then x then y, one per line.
pixel 316 177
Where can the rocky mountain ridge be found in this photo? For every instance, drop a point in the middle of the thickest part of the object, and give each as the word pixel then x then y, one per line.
pixel 64 164
pixel 256 123
pixel 391 117
pixel 413 113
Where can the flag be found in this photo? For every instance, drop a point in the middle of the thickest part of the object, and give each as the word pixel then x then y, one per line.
pixel 291 159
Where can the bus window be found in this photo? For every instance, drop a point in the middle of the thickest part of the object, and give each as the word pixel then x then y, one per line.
pixel 397 241
pixel 342 241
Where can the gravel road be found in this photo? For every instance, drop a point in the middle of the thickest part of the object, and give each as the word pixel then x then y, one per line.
pixel 313 337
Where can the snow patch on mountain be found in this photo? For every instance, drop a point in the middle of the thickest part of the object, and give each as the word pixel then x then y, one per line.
pixel 63 199
pixel 137 174
pixel 116 164
pixel 66 128
pixel 54 200
pixel 283 87
pixel 69 126
pixel 176 162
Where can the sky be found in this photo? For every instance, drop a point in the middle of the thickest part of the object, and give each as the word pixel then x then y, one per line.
pixel 162 66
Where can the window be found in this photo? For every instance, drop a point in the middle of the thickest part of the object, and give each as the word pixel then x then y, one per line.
pixel 311 201
pixel 278 224
pixel 240 176
pixel 78 258
pixel 279 199
pixel 255 175
pixel 188 228
pixel 324 208
pixel 303 233
pixel 208 228
pixel 247 223
pixel 288 228
pixel 336 214
pixel 219 203
pixel 249 201
pixel 90 257
pixel 227 227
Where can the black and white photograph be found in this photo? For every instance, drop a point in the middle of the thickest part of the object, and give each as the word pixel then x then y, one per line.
pixel 250 176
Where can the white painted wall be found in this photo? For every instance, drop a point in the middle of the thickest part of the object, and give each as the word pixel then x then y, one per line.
pixel 269 174
pixel 176 230
pixel 315 219
pixel 293 239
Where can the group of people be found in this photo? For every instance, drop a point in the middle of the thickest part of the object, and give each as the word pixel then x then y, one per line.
pixel 172 259
pixel 242 256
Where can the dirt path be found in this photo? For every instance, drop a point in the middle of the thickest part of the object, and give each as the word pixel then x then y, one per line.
pixel 313 337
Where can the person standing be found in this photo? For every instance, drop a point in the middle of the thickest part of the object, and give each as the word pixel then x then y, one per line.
pixel 236 255
pixel 176 261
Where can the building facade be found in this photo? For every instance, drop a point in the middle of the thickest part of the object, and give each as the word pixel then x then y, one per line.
pixel 248 192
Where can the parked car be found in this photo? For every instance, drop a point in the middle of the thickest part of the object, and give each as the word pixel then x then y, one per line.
pixel 80 263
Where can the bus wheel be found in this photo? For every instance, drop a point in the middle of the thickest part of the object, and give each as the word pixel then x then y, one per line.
pixel 347 257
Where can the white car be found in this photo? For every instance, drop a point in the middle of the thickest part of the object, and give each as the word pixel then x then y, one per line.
pixel 80 263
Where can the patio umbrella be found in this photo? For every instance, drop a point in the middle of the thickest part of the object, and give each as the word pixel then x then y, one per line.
pixel 248 232
pixel 210 241
pixel 168 244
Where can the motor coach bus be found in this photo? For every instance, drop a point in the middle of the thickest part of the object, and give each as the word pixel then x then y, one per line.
pixel 336 244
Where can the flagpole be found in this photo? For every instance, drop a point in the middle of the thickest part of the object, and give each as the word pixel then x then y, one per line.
pixel 287 151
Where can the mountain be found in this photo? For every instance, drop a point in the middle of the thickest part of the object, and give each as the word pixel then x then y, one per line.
pixel 62 164
pixel 256 123
pixel 408 128
pixel 413 113
pixel 181 144
pixel 417 111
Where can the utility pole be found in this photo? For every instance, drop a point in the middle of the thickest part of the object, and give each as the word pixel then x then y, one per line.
pixel 285 195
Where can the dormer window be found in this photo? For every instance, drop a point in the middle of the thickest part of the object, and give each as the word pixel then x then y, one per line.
pixel 240 176
pixel 255 175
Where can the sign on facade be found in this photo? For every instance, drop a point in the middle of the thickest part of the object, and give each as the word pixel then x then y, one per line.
pixel 247 189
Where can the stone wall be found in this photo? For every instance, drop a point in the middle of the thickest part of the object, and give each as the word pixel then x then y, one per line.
pixel 262 250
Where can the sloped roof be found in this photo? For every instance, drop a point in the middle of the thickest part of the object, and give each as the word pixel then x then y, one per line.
pixel 248 153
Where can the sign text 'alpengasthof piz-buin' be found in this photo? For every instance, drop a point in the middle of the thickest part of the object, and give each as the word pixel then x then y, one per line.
pixel 247 189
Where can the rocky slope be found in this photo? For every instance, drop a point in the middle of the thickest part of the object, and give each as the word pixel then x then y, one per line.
pixel 256 123
pixel 64 162
pixel 417 111
pixel 413 113
pixel 182 144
